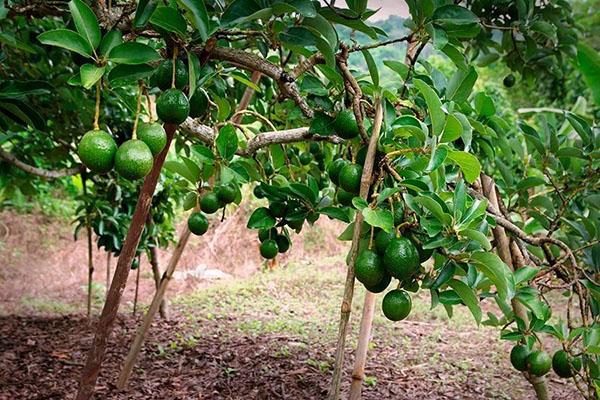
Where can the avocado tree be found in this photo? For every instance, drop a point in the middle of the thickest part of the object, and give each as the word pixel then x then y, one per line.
pixel 440 190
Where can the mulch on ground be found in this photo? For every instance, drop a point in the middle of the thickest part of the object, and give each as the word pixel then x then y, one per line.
pixel 42 357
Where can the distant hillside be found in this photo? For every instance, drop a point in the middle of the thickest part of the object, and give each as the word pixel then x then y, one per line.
pixel 394 26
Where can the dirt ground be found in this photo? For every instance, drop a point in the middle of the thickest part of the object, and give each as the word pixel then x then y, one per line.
pixel 256 334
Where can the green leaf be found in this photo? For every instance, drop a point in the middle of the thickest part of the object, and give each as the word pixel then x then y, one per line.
pixel 530 182
pixel 496 271
pixel 468 163
pixel 128 74
pixel 457 57
pixel 461 84
pixel 197 15
pixel 143 12
pixel 67 39
pixel 170 20
pixel 298 36
pixel 238 10
pixel 434 105
pixel 22 113
pixel 227 142
pixel 85 22
pixel 359 203
pixel 451 15
pixel 398 67
pixel 468 297
pixel 245 81
pixel 379 218
pixel 110 40
pixel 373 71
pixel 321 124
pixel 261 219
pixel 336 213
pixel 438 156
pixel 525 274
pixel 180 168
pixel 133 53
pixel 452 130
pixel 11 89
pixel 484 105
pixel 304 7
pixel 478 237
pixel 435 208
pixel 589 64
pixel 90 74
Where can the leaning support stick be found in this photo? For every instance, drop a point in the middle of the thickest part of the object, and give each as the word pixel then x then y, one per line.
pixel 505 252
pixel 96 354
pixel 154 307
pixel 365 185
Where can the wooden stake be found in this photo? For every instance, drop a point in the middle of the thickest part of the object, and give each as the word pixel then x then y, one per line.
pixel 503 247
pixel 96 354
pixel 108 257
pixel 137 286
pixel 163 311
pixel 88 228
pixel 360 360
pixel 365 185
pixel 143 329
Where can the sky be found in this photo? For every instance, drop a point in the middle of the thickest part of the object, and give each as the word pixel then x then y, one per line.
pixel 388 7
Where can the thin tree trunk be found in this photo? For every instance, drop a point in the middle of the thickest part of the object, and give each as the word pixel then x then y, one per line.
pixel 505 252
pixel 93 364
pixel 108 257
pixel 154 306
pixel 365 185
pixel 366 322
pixel 246 97
pixel 88 229
pixel 163 310
pixel 137 286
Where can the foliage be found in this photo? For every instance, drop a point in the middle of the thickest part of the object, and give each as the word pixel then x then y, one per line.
pixel 440 136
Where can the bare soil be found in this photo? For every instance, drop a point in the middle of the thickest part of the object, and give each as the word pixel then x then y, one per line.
pixel 256 335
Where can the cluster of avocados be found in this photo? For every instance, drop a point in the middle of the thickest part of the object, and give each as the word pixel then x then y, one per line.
pixel 539 363
pixel 286 211
pixel 134 158
pixel 210 203
pixel 396 257
pixel 273 242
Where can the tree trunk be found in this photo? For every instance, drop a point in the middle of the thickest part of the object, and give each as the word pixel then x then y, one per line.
pixel 163 311
pixel 360 360
pixel 88 229
pixel 505 252
pixel 137 286
pixel 365 185
pixel 91 370
pixel 108 257
pixel 156 301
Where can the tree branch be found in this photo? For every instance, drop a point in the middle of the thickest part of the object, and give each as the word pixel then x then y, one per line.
pixel 253 62
pixel 206 135
pixel 43 173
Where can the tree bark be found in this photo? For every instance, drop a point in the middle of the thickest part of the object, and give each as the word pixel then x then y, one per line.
pixel 88 229
pixel 137 287
pixel 154 306
pixel 163 310
pixel 91 370
pixel 365 186
pixel 503 246
pixel 108 257
pixel 366 322
pixel 42 173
